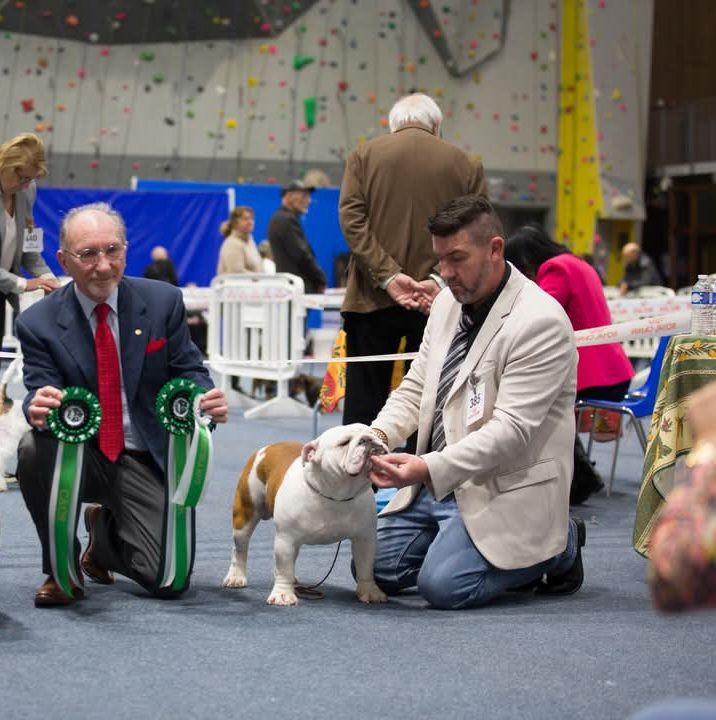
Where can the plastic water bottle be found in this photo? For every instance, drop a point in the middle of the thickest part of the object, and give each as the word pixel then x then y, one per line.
pixel 701 320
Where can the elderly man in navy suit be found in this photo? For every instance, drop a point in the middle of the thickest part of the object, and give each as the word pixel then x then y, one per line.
pixel 105 323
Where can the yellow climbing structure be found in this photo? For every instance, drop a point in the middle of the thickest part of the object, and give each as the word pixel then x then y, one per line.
pixel 579 195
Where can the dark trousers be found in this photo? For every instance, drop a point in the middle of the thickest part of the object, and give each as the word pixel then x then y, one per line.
pixel 586 480
pixel 376 333
pixel 129 533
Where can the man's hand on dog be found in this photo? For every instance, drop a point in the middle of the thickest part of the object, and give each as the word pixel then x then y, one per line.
pixel 398 470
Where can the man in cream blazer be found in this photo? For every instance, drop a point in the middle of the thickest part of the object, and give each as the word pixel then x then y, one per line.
pixel 488 509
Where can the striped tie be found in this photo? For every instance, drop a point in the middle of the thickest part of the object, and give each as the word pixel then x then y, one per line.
pixel 453 361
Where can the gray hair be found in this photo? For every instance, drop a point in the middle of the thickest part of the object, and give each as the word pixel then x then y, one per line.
pixel 98 207
pixel 415 108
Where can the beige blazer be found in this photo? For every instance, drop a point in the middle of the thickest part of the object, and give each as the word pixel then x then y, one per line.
pixel 237 255
pixel 391 186
pixel 511 469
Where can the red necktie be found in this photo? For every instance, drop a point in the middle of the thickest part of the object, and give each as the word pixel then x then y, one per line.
pixel 111 434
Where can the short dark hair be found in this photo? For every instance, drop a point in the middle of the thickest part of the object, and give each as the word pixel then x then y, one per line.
pixel 464 211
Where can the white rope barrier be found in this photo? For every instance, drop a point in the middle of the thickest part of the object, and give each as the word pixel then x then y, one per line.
pixel 621 309
pixel 647 327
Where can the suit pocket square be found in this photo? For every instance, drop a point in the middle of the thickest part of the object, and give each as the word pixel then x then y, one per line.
pixel 154 345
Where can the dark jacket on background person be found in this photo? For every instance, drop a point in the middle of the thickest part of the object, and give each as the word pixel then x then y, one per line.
pixel 291 251
pixel 162 270
pixel 641 272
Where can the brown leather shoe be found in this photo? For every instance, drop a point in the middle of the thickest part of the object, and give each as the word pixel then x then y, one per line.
pixel 50 594
pixel 89 567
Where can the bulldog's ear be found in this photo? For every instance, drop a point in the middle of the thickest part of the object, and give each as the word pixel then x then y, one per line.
pixel 309 451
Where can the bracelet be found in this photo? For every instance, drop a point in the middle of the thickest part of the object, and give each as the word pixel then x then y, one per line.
pixel 381 435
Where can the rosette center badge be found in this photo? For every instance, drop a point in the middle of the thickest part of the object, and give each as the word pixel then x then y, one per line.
pixel 181 407
pixel 74 415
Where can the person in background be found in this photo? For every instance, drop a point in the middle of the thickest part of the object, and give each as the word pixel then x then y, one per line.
pixel 639 269
pixel 483 507
pixel 391 185
pixel 122 339
pixel 161 267
pixel 289 246
pixel 604 371
pixel 317 178
pixel 238 253
pixel 22 161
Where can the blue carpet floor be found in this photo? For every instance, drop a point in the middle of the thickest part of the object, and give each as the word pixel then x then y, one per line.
pixel 603 653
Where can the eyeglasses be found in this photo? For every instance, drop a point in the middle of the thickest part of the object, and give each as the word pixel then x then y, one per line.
pixel 90 256
pixel 24 179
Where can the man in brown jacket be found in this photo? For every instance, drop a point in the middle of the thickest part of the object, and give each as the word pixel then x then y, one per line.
pixel 391 186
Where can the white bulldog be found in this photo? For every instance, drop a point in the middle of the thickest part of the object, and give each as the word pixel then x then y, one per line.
pixel 12 427
pixel 316 494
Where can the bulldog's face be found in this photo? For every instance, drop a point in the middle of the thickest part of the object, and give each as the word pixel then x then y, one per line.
pixel 342 453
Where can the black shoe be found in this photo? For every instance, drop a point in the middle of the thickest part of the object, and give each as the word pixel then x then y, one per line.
pixel 581 489
pixel 570 581
pixel 585 480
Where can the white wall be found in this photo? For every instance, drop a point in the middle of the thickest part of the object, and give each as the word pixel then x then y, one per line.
pixel 132 116
pixel 119 108
pixel 621 35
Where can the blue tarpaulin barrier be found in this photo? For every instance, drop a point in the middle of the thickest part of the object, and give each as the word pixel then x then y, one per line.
pixel 186 224
pixel 320 223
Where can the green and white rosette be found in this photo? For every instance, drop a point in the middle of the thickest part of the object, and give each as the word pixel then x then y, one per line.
pixel 188 468
pixel 73 423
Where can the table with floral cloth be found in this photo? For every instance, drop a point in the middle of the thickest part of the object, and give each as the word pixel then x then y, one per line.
pixel 689 363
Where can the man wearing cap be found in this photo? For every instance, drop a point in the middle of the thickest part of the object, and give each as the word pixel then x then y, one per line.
pixel 392 184
pixel 290 248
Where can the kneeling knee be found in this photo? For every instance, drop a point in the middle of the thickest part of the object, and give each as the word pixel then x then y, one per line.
pixel 444 591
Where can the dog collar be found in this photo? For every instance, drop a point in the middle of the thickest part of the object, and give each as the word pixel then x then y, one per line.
pixel 328 497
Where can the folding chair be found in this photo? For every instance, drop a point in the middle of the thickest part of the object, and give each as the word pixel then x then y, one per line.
pixel 636 404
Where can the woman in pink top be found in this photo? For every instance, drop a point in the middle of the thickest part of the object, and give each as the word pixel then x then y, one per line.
pixel 604 371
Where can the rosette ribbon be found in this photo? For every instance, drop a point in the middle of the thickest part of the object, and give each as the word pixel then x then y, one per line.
pixel 73 423
pixel 188 466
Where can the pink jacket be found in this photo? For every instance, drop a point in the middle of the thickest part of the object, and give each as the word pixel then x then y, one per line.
pixel 577 287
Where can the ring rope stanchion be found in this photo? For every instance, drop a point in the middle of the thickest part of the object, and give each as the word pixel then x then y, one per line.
pixel 256 331
pixel 75 421
pixel 188 468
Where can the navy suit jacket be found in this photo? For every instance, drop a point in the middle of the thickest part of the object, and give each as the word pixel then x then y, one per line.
pixel 58 349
